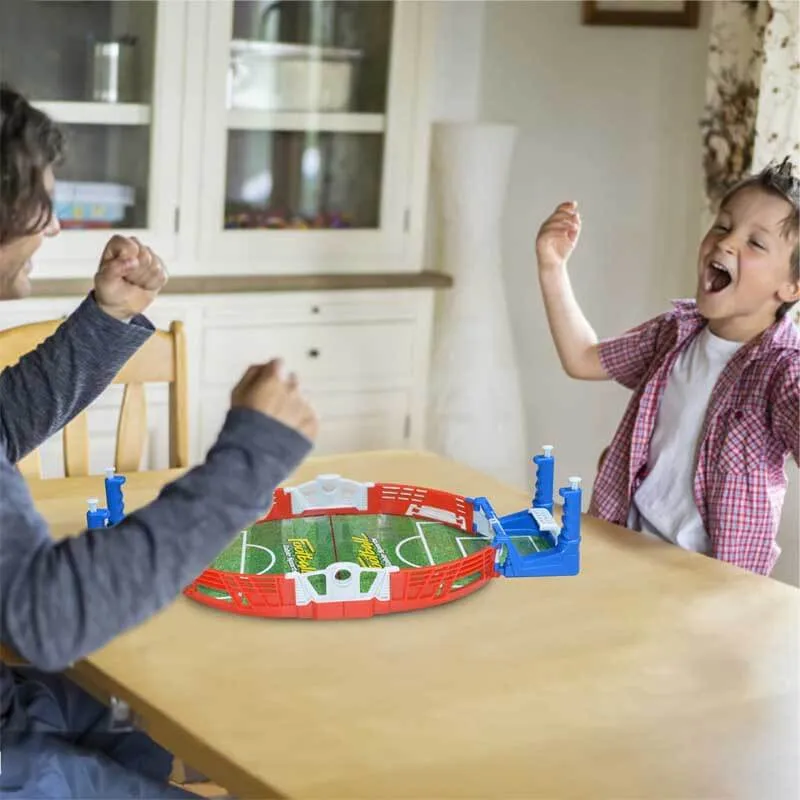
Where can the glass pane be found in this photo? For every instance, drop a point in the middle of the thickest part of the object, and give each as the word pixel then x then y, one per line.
pixel 298 56
pixel 73 50
pixel 303 179
pixel 102 53
pixel 103 180
pixel 306 55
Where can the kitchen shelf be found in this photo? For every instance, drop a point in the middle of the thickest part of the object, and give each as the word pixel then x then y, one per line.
pixel 96 113
pixel 247 120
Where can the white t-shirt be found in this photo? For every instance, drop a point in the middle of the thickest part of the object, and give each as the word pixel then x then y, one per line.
pixel 664 503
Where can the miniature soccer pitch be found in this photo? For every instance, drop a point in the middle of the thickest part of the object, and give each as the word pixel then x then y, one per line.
pixel 308 544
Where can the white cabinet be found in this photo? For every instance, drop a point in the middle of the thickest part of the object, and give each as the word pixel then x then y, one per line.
pixel 248 137
pixel 317 165
pixel 122 158
pixel 349 354
pixel 362 358
pixel 263 139
pixel 349 420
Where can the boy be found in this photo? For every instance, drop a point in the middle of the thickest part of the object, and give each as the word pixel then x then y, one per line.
pixel 698 459
pixel 61 600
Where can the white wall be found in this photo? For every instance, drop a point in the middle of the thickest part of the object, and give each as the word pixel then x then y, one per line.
pixel 456 87
pixel 788 567
pixel 608 117
pixel 456 90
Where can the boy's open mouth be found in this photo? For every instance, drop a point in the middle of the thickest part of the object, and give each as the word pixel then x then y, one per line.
pixel 716 277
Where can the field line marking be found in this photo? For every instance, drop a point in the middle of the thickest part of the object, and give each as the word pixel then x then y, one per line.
pixel 268 550
pixel 425 544
pixel 244 553
pixel 400 555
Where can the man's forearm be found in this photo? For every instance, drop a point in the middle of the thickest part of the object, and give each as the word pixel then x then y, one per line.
pixel 61 601
pixel 55 382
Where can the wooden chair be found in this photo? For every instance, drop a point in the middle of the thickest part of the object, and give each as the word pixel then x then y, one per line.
pixel 162 359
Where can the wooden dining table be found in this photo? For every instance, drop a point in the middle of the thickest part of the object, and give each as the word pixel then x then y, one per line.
pixel 654 673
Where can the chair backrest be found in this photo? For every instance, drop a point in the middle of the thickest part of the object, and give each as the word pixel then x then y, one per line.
pixel 162 359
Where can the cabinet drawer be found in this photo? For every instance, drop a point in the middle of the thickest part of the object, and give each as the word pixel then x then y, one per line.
pixel 352 434
pixel 348 420
pixel 378 353
pixel 309 308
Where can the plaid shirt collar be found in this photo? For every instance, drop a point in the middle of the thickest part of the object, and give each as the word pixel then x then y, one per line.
pixel 782 335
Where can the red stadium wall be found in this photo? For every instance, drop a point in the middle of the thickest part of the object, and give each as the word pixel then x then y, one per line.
pixel 411 589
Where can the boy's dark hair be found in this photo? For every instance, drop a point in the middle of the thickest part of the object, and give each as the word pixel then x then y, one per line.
pixel 779 180
pixel 30 142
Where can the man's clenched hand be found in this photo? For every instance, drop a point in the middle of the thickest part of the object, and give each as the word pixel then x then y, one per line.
pixel 129 277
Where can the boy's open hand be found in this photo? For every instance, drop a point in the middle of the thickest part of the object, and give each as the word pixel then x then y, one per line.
pixel 129 277
pixel 558 236
pixel 264 388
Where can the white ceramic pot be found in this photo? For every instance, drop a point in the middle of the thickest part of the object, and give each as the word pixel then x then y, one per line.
pixel 271 76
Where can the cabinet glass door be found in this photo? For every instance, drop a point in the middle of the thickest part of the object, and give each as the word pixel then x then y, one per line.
pixel 306 99
pixel 306 109
pixel 91 66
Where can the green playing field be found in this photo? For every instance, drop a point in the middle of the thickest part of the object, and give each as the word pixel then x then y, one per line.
pixel 309 544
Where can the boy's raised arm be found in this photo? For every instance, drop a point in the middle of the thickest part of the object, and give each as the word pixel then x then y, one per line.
pixel 625 359
pixel 575 340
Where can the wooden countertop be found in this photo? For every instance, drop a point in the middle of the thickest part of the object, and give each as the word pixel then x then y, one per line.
pixel 655 673
pixel 236 284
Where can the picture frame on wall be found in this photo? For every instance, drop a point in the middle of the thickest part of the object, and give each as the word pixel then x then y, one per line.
pixel 644 13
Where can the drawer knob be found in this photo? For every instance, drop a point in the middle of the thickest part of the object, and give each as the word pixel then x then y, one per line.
pixel 313 353
pixel 315 309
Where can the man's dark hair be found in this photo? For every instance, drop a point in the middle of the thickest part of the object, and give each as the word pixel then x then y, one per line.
pixel 30 142
pixel 779 180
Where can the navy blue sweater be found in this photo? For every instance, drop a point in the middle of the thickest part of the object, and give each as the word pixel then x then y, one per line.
pixel 61 600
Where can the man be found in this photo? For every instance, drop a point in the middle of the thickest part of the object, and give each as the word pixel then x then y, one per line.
pixel 61 600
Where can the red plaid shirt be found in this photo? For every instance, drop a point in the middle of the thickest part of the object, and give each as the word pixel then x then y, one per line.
pixel 752 423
